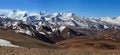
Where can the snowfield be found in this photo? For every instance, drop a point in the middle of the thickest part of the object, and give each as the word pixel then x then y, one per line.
pixel 7 43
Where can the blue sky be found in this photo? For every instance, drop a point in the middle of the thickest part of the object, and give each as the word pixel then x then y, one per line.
pixel 88 8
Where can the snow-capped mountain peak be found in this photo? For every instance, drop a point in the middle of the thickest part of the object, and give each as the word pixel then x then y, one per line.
pixel 66 19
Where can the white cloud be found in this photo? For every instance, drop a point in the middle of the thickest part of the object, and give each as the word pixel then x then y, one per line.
pixel 5 10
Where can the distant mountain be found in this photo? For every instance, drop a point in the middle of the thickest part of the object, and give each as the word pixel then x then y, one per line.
pixel 56 26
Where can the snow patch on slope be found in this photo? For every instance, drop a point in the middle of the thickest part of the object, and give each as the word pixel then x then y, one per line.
pixel 24 31
pixel 7 43
pixel 28 32
pixel 62 28
pixel 42 33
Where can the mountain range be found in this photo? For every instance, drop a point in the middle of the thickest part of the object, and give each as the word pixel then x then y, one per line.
pixel 60 19
pixel 54 27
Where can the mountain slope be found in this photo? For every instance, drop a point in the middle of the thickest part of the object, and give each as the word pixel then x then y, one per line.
pixel 23 40
pixel 109 39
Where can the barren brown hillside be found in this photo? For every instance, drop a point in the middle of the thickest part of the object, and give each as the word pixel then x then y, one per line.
pixel 108 39
pixel 23 40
